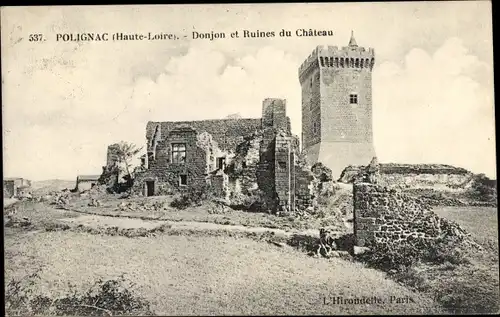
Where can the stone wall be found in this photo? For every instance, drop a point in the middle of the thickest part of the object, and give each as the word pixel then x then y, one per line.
pixel 266 168
pixel 304 197
pixel 382 214
pixel 415 176
pixel 228 133
pixel 274 114
pixel 85 184
pixel 12 186
pixel 284 172
pixel 260 155
pixel 167 174
pixel 9 189
pixel 219 184
pixel 112 155
pixel 242 169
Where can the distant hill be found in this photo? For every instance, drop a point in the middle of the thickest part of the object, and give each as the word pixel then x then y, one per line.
pixel 47 186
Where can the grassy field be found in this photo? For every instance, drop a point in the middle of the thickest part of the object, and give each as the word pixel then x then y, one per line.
pixel 190 274
pixel 182 275
pixel 481 222
pixel 470 287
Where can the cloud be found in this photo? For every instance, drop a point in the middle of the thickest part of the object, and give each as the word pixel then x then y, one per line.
pixel 436 109
pixel 66 117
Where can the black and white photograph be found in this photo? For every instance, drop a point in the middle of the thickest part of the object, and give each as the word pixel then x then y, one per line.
pixel 249 159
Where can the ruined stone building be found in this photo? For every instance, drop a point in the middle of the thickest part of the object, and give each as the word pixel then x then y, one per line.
pixel 86 182
pixel 238 156
pixel 337 106
pixel 16 187
pixel 193 154
pixel 115 171
pixel 183 154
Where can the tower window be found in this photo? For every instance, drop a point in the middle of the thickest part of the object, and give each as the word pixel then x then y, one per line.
pixel 281 165
pixel 353 99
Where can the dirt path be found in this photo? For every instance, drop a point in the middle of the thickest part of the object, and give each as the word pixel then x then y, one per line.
pixel 99 221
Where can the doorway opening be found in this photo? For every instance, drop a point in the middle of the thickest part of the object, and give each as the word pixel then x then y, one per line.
pixel 150 188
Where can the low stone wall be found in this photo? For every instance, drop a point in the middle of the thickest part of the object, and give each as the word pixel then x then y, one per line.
pixel 422 176
pixel 443 182
pixel 382 214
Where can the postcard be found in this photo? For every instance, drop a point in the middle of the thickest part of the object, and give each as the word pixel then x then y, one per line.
pixel 249 159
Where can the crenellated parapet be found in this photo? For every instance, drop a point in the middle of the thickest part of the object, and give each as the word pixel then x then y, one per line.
pixel 333 56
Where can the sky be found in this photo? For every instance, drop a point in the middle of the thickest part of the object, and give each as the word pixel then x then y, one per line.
pixel 65 102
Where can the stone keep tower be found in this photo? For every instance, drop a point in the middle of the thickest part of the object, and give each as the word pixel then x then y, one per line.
pixel 337 106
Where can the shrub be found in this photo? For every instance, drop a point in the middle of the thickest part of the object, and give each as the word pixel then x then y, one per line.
pixel 398 256
pixel 483 189
pixel 252 200
pixel 389 257
pixel 194 196
pixel 411 278
pixel 104 298
pixel 445 250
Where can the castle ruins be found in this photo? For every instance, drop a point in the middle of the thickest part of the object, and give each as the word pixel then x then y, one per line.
pixel 336 130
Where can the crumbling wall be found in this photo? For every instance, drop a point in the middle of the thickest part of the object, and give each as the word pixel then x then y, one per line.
pixel 242 169
pixel 284 175
pixel 228 133
pixel 9 189
pixel 274 115
pixel 166 174
pixel 383 214
pixel 84 185
pixel 444 182
pixel 112 155
pixel 114 173
pixel 266 168
pixel 219 184
pixel 304 188
pixel 421 176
